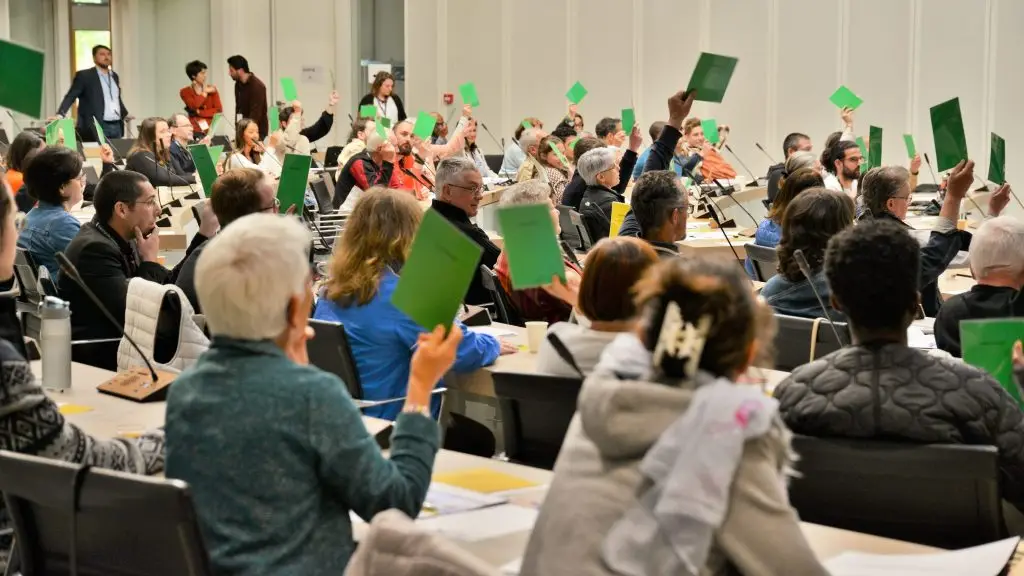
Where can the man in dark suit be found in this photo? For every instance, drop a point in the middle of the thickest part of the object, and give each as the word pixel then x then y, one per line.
pixel 98 91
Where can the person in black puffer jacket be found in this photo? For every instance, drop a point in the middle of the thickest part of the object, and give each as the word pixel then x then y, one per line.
pixel 879 388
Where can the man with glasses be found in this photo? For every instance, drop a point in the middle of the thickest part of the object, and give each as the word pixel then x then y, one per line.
pixel 181 138
pixel 659 206
pixel 459 190
pixel 120 243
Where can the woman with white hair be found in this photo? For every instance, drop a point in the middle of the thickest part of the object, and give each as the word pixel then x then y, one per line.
pixel 599 168
pixel 803 159
pixel 253 404
pixel 374 166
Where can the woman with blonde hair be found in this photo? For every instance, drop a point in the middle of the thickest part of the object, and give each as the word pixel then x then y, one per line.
pixel 364 272
pixel 151 155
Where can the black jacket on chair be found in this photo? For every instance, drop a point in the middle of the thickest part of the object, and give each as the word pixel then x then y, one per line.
pixel 573 193
pixel 596 210
pixel 87 89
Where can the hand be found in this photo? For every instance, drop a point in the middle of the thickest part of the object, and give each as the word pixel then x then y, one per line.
pixel 149 248
pixel 107 154
pixel 333 99
pixel 573 111
pixel 60 137
pixel 1018 355
pixel 507 347
pixel 635 138
pixel 209 89
pixel 706 148
pixel 679 105
pixel 291 210
pixel 208 223
pixel 275 139
pixel 567 292
pixel 467 111
pixel 960 178
pixel 129 118
pixel 387 152
pixel 434 355
pixel 52 118
pixel 998 200
pixel 847 115
pixel 207 140
pixel 915 164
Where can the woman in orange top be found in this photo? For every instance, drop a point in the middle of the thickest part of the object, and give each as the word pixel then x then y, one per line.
pixel 202 101
pixel 25 146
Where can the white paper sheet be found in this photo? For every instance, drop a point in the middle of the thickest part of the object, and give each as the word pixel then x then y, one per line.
pixel 481 524
pixel 985 560
pixel 496 331
pixel 443 499
pixel 916 338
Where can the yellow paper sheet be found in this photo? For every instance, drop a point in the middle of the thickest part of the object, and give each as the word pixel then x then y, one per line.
pixel 483 480
pixel 619 211
pixel 68 409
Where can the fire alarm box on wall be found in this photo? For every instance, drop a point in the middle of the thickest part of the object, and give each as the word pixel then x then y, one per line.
pixel 448 98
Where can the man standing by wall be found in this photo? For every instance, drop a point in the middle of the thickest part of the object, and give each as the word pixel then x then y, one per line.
pixel 250 94
pixel 98 91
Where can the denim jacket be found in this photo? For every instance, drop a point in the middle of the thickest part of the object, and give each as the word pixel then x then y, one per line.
pixel 797 298
pixel 48 230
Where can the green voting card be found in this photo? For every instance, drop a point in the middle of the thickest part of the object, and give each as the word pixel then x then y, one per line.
pixel 206 165
pixel 382 131
pixel 368 111
pixel 710 127
pixel 948 132
pixel 99 132
pixel 908 139
pixel 215 152
pixel 864 154
pixel 435 278
pixel 711 76
pixel 21 78
pixel 531 245
pixel 628 120
pixel 997 160
pixel 988 344
pixel 215 123
pixel 526 125
pixel 469 96
pixel 424 127
pixel 561 157
pixel 275 117
pixel 384 121
pixel 57 128
pixel 291 190
pixel 874 147
pixel 843 97
pixel 288 89
pixel 576 93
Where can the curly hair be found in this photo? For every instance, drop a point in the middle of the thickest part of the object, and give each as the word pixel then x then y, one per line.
pixel 811 220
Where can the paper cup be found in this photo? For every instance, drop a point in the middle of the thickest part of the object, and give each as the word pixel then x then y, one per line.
pixel 535 332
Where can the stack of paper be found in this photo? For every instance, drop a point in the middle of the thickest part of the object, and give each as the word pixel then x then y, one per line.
pixel 986 560
pixel 444 499
pixel 483 480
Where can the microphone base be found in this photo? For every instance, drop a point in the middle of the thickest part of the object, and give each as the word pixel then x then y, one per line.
pixel 137 385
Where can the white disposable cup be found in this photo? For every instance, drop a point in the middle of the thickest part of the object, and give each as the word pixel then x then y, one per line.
pixel 535 332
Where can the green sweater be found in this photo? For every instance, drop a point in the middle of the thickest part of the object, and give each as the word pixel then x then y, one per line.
pixel 276 455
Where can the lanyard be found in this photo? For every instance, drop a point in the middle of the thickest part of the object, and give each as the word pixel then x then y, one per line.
pixel 383 105
pixel 110 90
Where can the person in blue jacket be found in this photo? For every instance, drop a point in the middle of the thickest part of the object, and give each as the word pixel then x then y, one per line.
pixel 364 273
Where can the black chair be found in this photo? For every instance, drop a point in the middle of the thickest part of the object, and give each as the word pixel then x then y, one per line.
pixel 536 411
pixel 101 521
pixel 569 234
pixel 26 272
pixel 940 495
pixel 581 229
pixel 796 342
pixel 504 310
pixel 764 260
pixel 322 193
pixel 494 161
pixel 330 351
pixel 220 140
pixel 331 156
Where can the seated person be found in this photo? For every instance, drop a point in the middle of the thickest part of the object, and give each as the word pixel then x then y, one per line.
pixel 25 145
pixel 54 178
pixel 151 155
pixel 374 166
pixel 287 138
pixel 182 137
pixel 609 131
pixel 613 267
pixel 250 151
pixel 322 126
pixel 30 421
pixel 572 196
pixel 658 214
pixel 794 142
pixel 531 167
pixel 600 170
pixel 514 155
pixel 769 231
pixel 236 193
pixel 361 130
pixel 810 221
pixel 556 173
pixel 553 303
pixel 252 403
pixel 363 276
pixel 120 243
pixel 599 516
pixel 996 263
pixel 459 191
pixel 897 392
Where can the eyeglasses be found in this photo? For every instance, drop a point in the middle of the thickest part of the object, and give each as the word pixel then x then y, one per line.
pixel 275 206
pixel 474 189
pixel 907 197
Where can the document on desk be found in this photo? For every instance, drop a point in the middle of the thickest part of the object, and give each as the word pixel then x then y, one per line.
pixel 483 480
pixel 444 499
pixel 496 331
pixel 985 560
pixel 482 524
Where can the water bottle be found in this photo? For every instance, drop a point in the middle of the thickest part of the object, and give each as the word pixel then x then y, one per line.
pixel 56 343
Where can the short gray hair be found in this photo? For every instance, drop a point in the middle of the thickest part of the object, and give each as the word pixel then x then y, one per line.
pixel 594 162
pixel 529 138
pixel 247 273
pixel 374 141
pixel 527 192
pixel 879 184
pixel 449 168
pixel 798 160
pixel 998 246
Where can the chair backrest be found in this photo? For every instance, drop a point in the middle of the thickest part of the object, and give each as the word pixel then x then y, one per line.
pixel 26 272
pixel 536 411
pixel 569 233
pixel 503 308
pixel 764 260
pixel 122 524
pixel 124 145
pixel 91 177
pixel 577 222
pixel 330 351
pixel 322 193
pixel 940 495
pixel 331 156
pixel 494 161
pixel 794 345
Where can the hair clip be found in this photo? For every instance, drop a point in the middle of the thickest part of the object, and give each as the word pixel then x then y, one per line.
pixel 681 340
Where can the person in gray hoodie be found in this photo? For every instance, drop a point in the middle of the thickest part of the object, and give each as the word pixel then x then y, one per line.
pixel 648 407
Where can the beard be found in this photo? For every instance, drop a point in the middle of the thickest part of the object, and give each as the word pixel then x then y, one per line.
pixel 405 149
pixel 851 174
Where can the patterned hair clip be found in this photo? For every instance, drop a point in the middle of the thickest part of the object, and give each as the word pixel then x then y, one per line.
pixel 681 340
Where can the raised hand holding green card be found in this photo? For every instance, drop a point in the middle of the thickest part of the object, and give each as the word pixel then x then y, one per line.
pixel 558 153
pixel 988 344
pixel 21 78
pixel 437 274
pixel 711 76
pixel 908 139
pixel 997 160
pixel 531 245
pixel 99 132
pixel 628 120
pixel 948 133
pixel 710 127
pixel 576 93
pixel 469 95
pixel 874 147
pixel 424 127
pixel 206 165
pixel 843 97
pixel 291 190
pixel 288 89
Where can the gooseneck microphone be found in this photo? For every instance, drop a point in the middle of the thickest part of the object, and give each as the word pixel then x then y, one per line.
pixel 501 145
pixel 753 179
pixel 69 270
pixel 805 268
pixel 765 152
pixel 930 169
pixel 725 192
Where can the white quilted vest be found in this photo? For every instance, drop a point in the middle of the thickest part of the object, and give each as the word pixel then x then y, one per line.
pixel 142 311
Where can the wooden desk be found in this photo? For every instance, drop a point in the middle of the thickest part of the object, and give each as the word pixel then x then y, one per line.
pixel 714 248
pixel 952 283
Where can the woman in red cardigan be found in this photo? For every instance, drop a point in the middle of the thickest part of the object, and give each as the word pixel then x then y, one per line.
pixel 202 101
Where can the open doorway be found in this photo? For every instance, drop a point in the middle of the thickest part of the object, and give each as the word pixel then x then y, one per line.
pixel 90 26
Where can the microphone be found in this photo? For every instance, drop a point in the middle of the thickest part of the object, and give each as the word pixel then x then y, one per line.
pixel 930 169
pixel 69 270
pixel 428 183
pixel 753 181
pixel 169 175
pixel 805 268
pixel 765 152
pixel 16 125
pixel 727 240
pixel 569 253
pixel 501 146
pixel 725 192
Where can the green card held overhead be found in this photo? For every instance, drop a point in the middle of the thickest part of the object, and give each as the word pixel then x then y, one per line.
pixel 215 123
pixel 988 344
pixel 843 97
pixel 997 160
pixel 206 165
pixel 273 115
pixel 291 190
pixel 424 127
pixel 527 125
pixel 576 93
pixel 863 153
pixel 288 89
pixel 711 76
pixel 368 111
pixel 531 245
pixel 437 274
pixel 99 132
pixel 21 79
pixel 710 127
pixel 628 120
pixel 384 121
pixel 468 93
pixel 908 139
pixel 874 147
pixel 619 211
pixel 561 157
pixel 948 133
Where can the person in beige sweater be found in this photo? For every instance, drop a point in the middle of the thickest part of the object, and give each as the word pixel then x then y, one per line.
pixel 700 330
